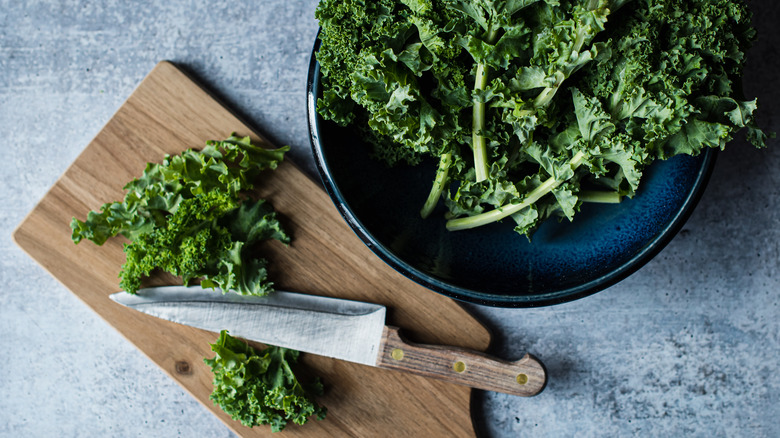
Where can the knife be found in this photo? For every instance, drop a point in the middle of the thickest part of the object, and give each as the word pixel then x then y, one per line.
pixel 342 329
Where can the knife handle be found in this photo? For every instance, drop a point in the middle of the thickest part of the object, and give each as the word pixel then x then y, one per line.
pixel 525 377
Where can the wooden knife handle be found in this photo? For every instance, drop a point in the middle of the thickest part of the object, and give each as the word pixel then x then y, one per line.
pixel 525 377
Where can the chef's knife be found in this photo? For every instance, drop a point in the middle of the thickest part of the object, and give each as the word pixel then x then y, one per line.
pixel 341 329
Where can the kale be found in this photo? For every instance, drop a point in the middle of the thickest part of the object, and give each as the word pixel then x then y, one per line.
pixel 189 216
pixel 260 387
pixel 530 104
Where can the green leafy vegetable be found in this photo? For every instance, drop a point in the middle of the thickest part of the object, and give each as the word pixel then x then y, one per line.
pixel 188 216
pixel 260 387
pixel 528 104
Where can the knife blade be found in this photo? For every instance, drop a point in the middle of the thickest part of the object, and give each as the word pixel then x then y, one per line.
pixel 341 329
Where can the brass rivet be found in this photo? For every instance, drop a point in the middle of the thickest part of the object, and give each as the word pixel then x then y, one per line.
pixel 397 354
pixel 522 379
pixel 459 367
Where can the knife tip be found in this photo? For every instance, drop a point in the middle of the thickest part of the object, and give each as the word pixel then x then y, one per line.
pixel 117 297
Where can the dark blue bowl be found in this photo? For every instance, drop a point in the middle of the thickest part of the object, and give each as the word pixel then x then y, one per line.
pixel 492 265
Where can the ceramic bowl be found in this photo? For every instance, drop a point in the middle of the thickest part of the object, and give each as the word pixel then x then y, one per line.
pixel 493 265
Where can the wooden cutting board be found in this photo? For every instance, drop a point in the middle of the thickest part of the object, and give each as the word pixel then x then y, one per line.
pixel 168 113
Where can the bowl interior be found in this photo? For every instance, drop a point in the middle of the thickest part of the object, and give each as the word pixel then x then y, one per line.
pixel 492 264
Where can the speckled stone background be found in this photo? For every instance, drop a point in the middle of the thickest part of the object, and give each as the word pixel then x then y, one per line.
pixel 688 346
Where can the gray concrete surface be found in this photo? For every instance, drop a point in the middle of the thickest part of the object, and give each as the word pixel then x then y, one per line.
pixel 688 346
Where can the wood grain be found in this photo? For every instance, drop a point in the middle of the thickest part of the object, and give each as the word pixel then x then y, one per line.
pixel 525 377
pixel 168 113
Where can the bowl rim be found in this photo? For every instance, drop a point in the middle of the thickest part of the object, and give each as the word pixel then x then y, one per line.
pixel 642 257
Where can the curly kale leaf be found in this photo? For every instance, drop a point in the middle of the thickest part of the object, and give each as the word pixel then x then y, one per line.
pixel 260 387
pixel 187 216
pixel 209 237
pixel 383 56
pixel 158 192
pixel 507 93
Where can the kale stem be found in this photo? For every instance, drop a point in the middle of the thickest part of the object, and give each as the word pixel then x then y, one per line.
pixel 442 174
pixel 478 125
pixel 501 212
pixel 545 96
pixel 599 196
pixel 479 144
